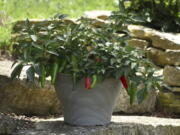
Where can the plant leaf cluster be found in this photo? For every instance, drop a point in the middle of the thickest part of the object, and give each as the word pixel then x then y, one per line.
pixel 163 15
pixel 83 50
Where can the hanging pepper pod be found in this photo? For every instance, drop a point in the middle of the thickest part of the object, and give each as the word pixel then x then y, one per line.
pixel 94 80
pixel 42 77
pixel 63 65
pixel 87 83
pixel 124 81
pixel 54 71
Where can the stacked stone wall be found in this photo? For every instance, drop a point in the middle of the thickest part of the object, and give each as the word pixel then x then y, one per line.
pixel 164 50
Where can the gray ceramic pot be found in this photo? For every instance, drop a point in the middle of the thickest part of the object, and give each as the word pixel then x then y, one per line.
pixel 87 107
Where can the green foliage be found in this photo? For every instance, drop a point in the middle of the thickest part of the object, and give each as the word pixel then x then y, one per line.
pixel 162 15
pixel 83 50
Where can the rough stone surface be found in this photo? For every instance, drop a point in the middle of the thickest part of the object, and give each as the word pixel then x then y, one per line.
pixel 172 75
pixel 21 97
pixel 176 89
pixel 169 102
pixel 139 43
pixel 120 125
pixel 97 14
pixel 123 104
pixel 158 39
pixel 26 98
pixel 7 125
pixel 162 58
pixel 98 17
pixel 98 22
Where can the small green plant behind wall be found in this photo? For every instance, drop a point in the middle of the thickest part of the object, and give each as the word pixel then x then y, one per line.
pixel 163 15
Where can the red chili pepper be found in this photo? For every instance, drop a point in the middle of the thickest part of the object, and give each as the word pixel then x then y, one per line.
pixel 87 83
pixel 124 81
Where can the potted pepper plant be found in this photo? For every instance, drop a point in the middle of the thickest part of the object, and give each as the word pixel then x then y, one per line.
pixel 87 66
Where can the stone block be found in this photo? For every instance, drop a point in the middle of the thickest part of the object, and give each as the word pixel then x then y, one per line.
pixel 97 14
pixel 176 89
pixel 172 75
pixel 169 102
pixel 23 97
pixel 162 58
pixel 139 43
pixel 159 39
pixel 123 103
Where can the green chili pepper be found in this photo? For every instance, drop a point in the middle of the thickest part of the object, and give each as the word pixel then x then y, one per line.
pixel 63 65
pixel 43 76
pixel 74 63
pixel 94 80
pixel 132 90
pixel 54 72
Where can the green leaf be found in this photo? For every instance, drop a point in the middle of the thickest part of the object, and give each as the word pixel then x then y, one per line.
pixel 60 16
pixel 37 69
pixel 138 19
pixel 103 71
pixel 63 65
pixel 54 70
pixel 129 48
pixel 33 37
pixel 141 95
pixel 158 86
pixel 14 63
pixel 121 6
pixel 52 52
pixel 133 65
pixel 112 61
pixel 132 92
pixel 118 74
pixel 42 77
pixel 30 73
pixel 27 22
pixel 37 46
pixel 74 63
pixel 17 71
pixel 74 78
